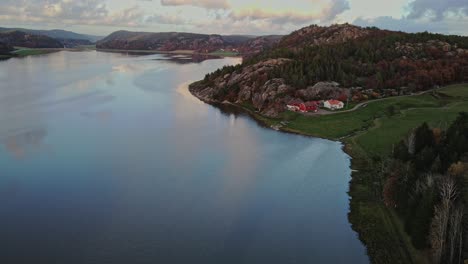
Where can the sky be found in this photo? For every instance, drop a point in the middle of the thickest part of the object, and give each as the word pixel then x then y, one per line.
pixel 252 17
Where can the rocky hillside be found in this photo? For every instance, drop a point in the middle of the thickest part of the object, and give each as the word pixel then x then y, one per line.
pixel 22 39
pixel 316 35
pixel 244 84
pixel 340 61
pixel 251 84
pixel 172 41
pixel 259 44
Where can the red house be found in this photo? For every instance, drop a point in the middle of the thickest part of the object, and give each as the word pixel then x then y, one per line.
pixel 311 106
pixel 302 107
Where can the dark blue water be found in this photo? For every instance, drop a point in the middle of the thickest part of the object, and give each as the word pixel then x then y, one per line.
pixel 106 158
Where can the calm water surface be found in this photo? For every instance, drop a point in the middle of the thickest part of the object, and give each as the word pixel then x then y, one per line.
pixel 106 158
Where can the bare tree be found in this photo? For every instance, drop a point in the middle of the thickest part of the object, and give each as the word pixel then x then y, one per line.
pixel 438 232
pixel 412 143
pixel 455 235
pixel 440 223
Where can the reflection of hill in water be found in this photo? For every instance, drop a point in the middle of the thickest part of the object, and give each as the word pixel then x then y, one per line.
pixel 19 144
pixel 186 59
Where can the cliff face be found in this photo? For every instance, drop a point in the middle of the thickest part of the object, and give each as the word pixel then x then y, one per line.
pixel 247 85
pixel 21 39
pixel 343 62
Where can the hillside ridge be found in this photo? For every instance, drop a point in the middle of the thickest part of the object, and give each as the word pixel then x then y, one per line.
pixel 366 63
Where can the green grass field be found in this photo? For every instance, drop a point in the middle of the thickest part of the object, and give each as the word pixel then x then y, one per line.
pixel 23 52
pixel 382 123
pixel 224 53
pixel 437 112
pixel 86 47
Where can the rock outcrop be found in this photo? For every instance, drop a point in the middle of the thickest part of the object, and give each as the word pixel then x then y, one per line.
pixel 249 85
pixel 436 48
pixel 322 90
pixel 258 45
pixel 317 35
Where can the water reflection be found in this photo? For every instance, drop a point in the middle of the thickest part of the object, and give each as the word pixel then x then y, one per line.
pixel 29 97
pixel 186 59
pixel 25 142
pixel 102 116
pixel 142 172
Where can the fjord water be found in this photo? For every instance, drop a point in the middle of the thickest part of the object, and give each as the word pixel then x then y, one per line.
pixel 106 158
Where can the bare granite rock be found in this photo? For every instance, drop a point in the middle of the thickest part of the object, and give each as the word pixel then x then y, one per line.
pixel 322 90
pixel 250 85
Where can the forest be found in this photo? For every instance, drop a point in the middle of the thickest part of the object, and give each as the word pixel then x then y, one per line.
pixel 426 185
pixel 382 60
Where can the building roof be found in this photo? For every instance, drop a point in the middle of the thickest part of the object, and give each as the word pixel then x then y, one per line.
pixel 311 103
pixel 334 102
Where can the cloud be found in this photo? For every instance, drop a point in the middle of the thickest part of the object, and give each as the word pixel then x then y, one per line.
pixel 83 12
pixel 335 8
pixel 327 14
pixel 221 15
pixel 446 26
pixel 446 17
pixel 437 9
pixel 166 19
pixel 276 18
pixel 208 4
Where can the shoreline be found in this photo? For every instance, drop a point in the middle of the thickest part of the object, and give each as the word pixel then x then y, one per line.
pixel 378 228
pixel 356 166
pixel 24 52
pixel 174 52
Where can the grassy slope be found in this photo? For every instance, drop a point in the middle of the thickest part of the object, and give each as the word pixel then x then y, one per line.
pixel 369 133
pixel 224 53
pixel 23 52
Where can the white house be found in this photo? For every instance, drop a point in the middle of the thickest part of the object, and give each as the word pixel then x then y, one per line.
pixel 333 104
pixel 293 108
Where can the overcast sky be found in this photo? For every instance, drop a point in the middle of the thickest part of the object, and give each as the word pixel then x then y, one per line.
pixel 101 17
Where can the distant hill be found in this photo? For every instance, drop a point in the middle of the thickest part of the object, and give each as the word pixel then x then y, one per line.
pixel 259 44
pixel 339 61
pixel 22 39
pixel 56 34
pixel 171 41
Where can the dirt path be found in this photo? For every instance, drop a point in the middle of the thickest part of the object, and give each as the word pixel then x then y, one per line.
pixel 364 104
